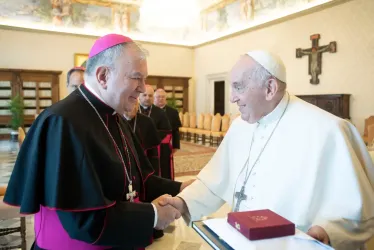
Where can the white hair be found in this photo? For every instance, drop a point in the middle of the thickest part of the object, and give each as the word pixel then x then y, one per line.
pixel 260 75
pixel 109 56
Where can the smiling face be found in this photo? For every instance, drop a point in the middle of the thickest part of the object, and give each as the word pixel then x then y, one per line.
pixel 122 85
pixel 134 111
pixel 247 92
pixel 160 98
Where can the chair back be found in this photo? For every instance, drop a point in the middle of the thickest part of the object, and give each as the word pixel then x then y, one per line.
pixel 216 123
pixel 21 135
pixel 200 121
pixel 186 120
pixel 193 120
pixel 207 121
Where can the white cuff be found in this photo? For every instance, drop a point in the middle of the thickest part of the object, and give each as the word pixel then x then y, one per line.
pixel 155 221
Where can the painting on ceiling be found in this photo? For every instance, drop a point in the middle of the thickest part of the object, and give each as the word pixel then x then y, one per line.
pixel 228 14
pixel 81 15
pixel 96 17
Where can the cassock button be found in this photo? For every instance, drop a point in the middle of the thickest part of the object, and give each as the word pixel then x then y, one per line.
pixel 254 173
pixel 252 198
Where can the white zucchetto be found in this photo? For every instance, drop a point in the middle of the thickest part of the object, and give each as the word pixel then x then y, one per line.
pixel 271 62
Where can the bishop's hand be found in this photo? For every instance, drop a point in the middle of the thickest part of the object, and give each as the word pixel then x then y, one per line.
pixel 165 214
pixel 176 202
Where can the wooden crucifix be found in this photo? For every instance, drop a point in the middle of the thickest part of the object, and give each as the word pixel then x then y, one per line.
pixel 315 56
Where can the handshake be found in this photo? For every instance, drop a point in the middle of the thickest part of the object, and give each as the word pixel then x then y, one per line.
pixel 170 208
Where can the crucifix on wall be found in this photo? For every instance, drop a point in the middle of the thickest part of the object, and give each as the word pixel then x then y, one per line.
pixel 315 56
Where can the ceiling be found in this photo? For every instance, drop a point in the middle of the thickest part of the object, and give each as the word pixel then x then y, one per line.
pixel 181 22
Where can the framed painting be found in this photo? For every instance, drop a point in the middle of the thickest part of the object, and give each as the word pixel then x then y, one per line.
pixel 80 60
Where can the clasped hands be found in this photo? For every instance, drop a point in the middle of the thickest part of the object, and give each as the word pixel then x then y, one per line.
pixel 169 208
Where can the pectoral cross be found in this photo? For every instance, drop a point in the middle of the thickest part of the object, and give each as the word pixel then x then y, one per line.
pixel 131 194
pixel 315 56
pixel 241 196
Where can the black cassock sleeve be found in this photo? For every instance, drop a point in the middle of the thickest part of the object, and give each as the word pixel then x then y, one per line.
pixel 123 225
pixel 176 124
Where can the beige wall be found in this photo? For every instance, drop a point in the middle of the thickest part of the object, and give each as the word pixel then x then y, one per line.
pixel 36 50
pixel 348 71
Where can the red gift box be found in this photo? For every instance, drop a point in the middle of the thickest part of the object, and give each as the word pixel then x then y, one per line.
pixel 261 224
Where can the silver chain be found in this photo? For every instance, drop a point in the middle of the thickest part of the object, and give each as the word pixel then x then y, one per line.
pixel 136 117
pixel 262 150
pixel 119 151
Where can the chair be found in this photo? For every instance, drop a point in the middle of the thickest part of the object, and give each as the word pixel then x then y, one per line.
pixel 368 121
pixel 200 127
pixel 205 132
pixel 21 135
pixel 185 125
pixel 9 212
pixel 216 134
pixel 192 127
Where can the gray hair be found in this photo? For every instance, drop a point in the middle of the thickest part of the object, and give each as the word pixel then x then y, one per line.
pixel 260 75
pixel 109 56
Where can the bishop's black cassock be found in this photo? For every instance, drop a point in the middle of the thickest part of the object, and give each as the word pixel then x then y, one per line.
pixel 165 132
pixel 175 123
pixel 146 132
pixel 69 174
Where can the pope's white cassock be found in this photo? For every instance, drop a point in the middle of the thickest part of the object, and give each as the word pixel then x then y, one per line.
pixel 314 170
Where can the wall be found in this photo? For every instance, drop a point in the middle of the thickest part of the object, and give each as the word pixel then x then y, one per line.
pixel 349 71
pixel 54 51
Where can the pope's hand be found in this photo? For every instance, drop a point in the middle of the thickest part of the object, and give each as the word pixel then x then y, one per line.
pixel 319 234
pixel 165 214
pixel 176 202
pixel 186 184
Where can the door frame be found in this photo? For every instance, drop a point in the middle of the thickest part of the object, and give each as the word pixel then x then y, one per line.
pixel 209 103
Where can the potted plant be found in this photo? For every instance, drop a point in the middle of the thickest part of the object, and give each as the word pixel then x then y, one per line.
pixel 16 108
pixel 172 103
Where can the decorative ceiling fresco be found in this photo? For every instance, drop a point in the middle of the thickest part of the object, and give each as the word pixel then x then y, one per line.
pixel 181 22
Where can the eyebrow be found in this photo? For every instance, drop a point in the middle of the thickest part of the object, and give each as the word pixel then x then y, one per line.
pixel 138 74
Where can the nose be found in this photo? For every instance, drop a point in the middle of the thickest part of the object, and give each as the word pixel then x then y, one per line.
pixel 141 87
pixel 233 97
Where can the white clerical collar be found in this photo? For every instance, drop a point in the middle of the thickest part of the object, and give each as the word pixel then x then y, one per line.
pixel 96 94
pixel 277 112
pixel 144 107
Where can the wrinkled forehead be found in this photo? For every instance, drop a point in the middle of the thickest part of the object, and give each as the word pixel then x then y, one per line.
pixel 149 90
pixel 160 93
pixel 244 65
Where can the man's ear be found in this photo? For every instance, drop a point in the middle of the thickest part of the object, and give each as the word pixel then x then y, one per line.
pixel 271 89
pixel 102 76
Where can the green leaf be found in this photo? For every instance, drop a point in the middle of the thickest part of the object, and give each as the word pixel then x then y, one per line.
pixel 16 107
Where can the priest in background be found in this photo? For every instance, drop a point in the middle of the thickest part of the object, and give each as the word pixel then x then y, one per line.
pixel 288 156
pixel 173 116
pixel 164 128
pixel 145 130
pixel 81 170
pixel 75 78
